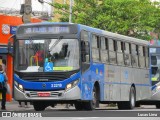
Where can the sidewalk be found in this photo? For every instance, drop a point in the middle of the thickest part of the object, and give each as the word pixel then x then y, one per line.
pixel 14 106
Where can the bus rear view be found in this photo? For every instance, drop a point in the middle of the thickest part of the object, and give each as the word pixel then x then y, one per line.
pixel 46 64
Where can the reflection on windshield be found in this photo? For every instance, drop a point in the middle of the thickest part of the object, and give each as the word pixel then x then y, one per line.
pixel 47 55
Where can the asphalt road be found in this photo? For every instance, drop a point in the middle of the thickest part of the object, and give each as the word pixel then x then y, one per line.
pixel 61 111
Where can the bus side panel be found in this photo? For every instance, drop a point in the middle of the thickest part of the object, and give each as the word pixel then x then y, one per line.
pixel 95 73
pixel 127 75
pixel 106 84
pixel 86 85
pixel 135 76
pixel 141 84
pixel 144 87
pixel 112 83
pixel 115 86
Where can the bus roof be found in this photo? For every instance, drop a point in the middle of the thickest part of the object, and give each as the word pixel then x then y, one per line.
pixel 94 30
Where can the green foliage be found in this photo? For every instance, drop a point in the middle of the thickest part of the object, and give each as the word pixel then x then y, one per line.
pixel 134 18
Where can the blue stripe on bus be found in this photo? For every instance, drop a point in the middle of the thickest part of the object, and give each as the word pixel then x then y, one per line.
pixel 49 85
pixel 127 83
pixel 154 87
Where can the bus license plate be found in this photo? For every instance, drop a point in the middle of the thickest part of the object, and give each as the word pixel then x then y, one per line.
pixel 44 94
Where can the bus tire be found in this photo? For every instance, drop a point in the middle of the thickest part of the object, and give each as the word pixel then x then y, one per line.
pixel 137 105
pixel 38 106
pixel 132 100
pixel 79 106
pixel 158 106
pixel 91 104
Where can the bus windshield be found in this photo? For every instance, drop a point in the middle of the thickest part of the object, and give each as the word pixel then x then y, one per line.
pixel 155 67
pixel 47 55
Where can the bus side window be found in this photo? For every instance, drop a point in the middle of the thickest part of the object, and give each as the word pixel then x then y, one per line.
pixel 147 56
pixel 134 57
pixel 137 55
pixel 141 57
pixel 112 51
pixel 120 49
pixel 104 50
pixel 95 48
pixel 85 51
pixel 127 57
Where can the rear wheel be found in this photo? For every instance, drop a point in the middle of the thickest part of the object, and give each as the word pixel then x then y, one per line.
pixel 132 101
pixel 137 105
pixel 158 106
pixel 39 106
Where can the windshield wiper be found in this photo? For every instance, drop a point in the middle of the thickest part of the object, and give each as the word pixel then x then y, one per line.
pixel 57 41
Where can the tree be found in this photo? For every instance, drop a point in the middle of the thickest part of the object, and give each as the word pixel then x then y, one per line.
pixel 134 18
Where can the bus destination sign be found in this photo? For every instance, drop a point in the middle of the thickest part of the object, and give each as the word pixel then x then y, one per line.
pixel 154 50
pixel 46 29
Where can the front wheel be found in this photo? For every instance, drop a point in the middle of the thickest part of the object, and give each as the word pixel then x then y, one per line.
pixel 91 105
pixel 79 106
pixel 39 106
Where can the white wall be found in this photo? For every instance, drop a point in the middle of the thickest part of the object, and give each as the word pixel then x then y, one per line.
pixel 16 4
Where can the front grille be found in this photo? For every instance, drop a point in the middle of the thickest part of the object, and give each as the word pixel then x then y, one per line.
pixel 53 93
pixel 45 77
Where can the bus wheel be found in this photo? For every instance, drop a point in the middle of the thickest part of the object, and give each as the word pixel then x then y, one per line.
pixel 91 105
pixel 79 106
pixel 132 101
pixel 137 105
pixel 158 106
pixel 39 106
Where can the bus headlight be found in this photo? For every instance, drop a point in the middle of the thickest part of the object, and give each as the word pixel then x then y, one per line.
pixel 158 88
pixel 20 87
pixel 72 84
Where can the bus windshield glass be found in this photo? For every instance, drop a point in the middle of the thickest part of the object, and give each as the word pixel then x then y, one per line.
pixel 47 55
pixel 155 66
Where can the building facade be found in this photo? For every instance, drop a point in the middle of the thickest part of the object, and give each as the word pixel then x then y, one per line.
pixel 8 25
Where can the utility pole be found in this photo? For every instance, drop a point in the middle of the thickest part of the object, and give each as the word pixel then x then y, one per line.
pixel 26 10
pixel 70 11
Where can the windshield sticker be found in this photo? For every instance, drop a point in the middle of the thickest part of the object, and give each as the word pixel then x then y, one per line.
pixel 63 68
pixel 48 66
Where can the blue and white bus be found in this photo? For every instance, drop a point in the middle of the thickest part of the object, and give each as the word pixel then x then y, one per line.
pixel 72 63
pixel 154 55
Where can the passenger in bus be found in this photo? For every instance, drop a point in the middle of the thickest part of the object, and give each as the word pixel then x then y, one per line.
pixel 40 55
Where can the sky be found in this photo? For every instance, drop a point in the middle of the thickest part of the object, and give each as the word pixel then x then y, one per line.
pixel 16 4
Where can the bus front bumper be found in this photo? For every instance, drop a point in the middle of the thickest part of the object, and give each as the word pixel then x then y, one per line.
pixel 72 94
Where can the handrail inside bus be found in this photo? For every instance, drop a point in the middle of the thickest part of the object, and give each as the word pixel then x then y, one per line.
pixel 32 59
